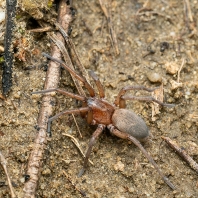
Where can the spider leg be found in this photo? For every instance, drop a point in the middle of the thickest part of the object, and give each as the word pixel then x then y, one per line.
pixel 73 73
pixel 98 84
pixel 70 111
pixel 72 95
pixel 147 98
pixel 127 88
pixel 92 141
pixel 120 99
pixel 123 135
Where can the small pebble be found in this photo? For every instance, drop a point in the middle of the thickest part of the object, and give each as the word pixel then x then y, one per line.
pixel 119 166
pixel 154 77
pixel 2 16
pixel 22 179
pixel 175 85
pixel 46 172
pixel 172 67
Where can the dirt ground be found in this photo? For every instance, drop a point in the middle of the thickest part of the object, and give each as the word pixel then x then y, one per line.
pixel 153 44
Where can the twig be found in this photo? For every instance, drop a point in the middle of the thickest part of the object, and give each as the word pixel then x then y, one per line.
pixel 181 152
pixel 188 10
pixel 158 94
pixel 43 29
pixel 145 7
pixel 8 54
pixel 3 163
pixel 111 30
pixel 189 18
pixel 74 140
pixel 77 125
pixel 52 79
pixel 178 75
pixel 74 185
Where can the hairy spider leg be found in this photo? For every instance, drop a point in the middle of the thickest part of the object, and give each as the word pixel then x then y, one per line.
pixel 98 84
pixel 73 73
pixel 70 111
pixel 75 111
pixel 147 98
pixel 72 95
pixel 121 99
pixel 124 135
pixel 92 141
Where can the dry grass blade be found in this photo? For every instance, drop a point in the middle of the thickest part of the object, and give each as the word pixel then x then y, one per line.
pixel 75 141
pixel 179 71
pixel 3 163
pixel 77 125
pixel 190 23
pixel 188 10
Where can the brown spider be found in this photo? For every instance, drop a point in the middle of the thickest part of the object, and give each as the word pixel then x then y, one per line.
pixel 121 122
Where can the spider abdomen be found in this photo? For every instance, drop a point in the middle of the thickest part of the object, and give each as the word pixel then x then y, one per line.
pixel 127 121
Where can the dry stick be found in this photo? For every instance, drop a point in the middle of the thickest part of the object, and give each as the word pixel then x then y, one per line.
pixel 111 30
pixel 43 29
pixel 181 153
pixel 189 18
pixel 3 163
pixel 52 79
pixel 188 10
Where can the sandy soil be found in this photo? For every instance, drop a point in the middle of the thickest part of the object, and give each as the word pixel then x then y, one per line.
pixel 119 168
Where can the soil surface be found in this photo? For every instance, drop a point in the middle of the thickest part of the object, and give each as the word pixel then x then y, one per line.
pixel 157 47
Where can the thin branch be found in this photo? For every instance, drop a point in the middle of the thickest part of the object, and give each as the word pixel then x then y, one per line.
pixel 181 152
pixel 4 163
pixel 52 79
pixel 107 13
pixel 191 25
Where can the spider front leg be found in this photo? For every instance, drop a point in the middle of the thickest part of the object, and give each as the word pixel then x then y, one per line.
pixel 123 135
pixel 81 111
pixel 73 73
pixel 98 84
pixel 92 141
pixel 74 111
